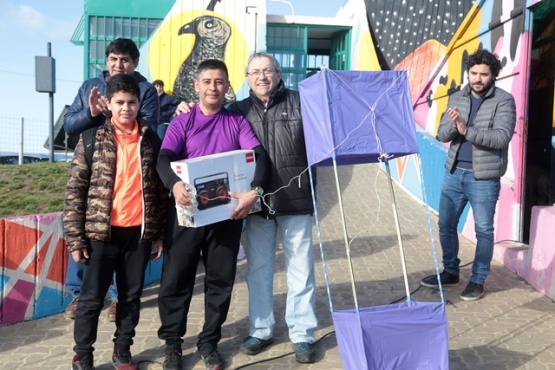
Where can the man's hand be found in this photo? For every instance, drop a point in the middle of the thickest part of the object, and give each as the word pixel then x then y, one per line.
pixel 182 197
pixel 156 250
pixel 246 201
pixel 457 120
pixel 184 108
pixel 98 104
pixel 80 255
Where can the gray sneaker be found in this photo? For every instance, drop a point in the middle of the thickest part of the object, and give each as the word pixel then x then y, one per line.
pixel 472 292
pixel 86 363
pixel 214 361
pixel 173 360
pixel 252 345
pixel 304 352
pixel 446 278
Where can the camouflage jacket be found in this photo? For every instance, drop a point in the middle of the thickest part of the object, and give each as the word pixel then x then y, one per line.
pixel 89 191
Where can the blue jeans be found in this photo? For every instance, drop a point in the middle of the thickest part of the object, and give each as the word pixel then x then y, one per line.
pixel 74 279
pixel 296 236
pixel 458 189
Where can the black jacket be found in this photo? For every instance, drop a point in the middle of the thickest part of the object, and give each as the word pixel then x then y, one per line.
pixel 279 128
pixel 168 104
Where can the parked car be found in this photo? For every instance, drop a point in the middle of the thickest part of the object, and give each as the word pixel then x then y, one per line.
pixel 13 158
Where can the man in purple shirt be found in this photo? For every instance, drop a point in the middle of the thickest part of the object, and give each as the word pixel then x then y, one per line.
pixel 208 128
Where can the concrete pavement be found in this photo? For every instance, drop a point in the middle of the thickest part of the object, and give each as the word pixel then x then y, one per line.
pixel 512 327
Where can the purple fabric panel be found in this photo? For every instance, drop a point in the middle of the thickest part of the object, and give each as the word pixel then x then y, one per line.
pixel 193 134
pixel 406 336
pixel 336 109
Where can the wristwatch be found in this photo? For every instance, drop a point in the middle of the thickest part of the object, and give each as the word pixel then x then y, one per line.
pixel 258 189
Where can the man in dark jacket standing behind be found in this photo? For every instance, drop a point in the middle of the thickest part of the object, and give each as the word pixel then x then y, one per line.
pixel 479 122
pixel 274 113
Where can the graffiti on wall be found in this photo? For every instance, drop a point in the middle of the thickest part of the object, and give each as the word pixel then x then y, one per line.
pixel 194 31
pixel 433 40
pixel 33 264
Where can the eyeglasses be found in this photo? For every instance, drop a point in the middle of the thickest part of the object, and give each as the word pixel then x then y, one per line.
pixel 266 72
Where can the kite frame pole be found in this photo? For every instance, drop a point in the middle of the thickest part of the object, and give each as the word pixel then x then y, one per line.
pixel 398 227
pixel 319 233
pixel 345 235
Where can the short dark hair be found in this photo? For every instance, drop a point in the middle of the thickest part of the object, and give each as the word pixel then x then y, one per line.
pixel 483 56
pixel 122 82
pixel 123 46
pixel 212 64
pixel 158 82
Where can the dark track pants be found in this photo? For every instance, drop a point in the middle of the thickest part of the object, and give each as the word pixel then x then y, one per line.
pixel 219 244
pixel 125 255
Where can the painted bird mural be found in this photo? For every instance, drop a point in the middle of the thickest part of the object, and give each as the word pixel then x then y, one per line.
pixel 211 36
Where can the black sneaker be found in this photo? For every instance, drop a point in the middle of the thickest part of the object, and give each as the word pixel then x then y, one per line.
pixel 86 363
pixel 447 279
pixel 122 360
pixel 252 345
pixel 304 352
pixel 173 360
pixel 472 292
pixel 213 361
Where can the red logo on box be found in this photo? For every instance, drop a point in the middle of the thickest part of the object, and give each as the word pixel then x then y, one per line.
pixel 178 170
pixel 250 157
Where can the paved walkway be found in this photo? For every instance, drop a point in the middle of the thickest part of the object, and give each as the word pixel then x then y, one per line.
pixel 512 327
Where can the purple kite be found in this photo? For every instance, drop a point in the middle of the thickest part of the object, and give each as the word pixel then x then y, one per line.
pixel 353 117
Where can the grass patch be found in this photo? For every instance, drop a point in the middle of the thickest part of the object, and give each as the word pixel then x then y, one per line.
pixel 33 188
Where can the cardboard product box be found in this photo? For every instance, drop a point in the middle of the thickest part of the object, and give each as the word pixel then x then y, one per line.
pixel 213 177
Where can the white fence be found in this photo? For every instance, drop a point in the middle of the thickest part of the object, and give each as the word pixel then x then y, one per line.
pixel 22 140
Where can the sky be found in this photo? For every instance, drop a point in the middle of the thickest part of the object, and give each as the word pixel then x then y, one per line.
pixel 26 26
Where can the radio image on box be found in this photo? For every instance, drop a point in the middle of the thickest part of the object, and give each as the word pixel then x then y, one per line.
pixel 210 179
pixel 212 190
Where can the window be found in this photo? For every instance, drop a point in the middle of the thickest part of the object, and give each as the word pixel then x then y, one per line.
pixel 105 29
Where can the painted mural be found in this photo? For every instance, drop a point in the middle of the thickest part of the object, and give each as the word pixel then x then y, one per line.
pixel 434 56
pixel 193 31
pixel 33 264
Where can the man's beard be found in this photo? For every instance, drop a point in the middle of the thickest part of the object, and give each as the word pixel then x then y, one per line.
pixel 483 89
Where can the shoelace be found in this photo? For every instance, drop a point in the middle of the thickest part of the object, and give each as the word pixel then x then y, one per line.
pixel 173 355
pixel 213 357
pixel 253 341
pixel 86 363
pixel 124 358
pixel 302 347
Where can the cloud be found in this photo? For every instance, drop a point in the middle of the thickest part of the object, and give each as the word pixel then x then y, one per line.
pixel 16 19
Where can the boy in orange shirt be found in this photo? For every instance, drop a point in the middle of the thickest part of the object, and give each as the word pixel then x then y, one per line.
pixel 114 219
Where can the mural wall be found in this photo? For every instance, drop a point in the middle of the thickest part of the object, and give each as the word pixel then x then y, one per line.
pixel 434 56
pixel 33 264
pixel 193 31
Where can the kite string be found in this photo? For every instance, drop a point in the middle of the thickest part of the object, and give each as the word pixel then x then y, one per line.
pixel 373 121
pixel 372 112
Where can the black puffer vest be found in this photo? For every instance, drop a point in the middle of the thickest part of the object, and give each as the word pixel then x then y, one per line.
pixel 279 128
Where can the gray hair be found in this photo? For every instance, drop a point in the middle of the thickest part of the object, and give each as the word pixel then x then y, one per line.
pixel 274 61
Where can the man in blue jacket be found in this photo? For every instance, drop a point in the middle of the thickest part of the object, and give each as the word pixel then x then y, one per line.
pixel 479 122
pixel 89 110
pixel 122 56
